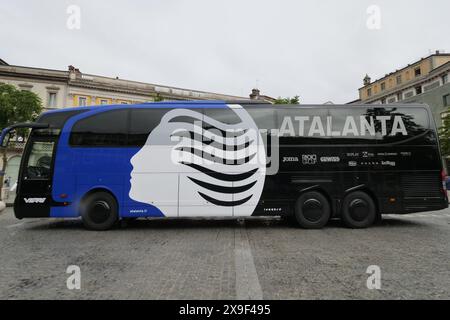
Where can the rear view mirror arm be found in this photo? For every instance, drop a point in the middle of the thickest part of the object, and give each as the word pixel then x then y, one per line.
pixel 31 125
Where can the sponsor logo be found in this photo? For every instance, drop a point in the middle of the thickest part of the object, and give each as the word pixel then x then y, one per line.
pixel 138 211
pixel 388 163
pixel 309 159
pixel 406 154
pixel 34 200
pixel 353 154
pixel 330 159
pixel 352 163
pixel 387 154
pixel 273 210
pixel 290 159
pixel 366 154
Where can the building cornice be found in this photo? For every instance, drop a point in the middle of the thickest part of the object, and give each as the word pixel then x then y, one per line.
pixel 21 73
pixel 102 83
pixel 436 73
pixel 75 79
pixel 110 88
pixel 406 67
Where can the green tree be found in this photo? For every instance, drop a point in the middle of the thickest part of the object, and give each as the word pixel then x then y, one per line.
pixel 444 135
pixel 288 100
pixel 16 106
pixel 157 98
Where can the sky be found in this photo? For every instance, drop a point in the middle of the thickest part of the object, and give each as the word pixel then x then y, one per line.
pixel 319 50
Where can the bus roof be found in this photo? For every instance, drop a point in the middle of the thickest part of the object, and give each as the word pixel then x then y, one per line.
pixel 212 103
pixel 164 103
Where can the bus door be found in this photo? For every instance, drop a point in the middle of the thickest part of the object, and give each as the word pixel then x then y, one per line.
pixel 35 178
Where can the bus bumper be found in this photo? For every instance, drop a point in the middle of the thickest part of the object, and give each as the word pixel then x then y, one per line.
pixel 40 208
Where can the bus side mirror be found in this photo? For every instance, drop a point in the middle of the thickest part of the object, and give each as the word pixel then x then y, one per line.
pixel 5 140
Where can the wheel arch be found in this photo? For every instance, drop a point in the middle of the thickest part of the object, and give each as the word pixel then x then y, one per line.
pixel 100 189
pixel 313 217
pixel 319 189
pixel 364 188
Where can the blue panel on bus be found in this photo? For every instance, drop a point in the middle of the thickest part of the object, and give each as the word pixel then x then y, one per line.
pixel 79 170
pixel 64 211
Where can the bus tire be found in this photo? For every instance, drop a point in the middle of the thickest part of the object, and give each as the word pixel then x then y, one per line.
pixel 312 210
pixel 99 211
pixel 358 210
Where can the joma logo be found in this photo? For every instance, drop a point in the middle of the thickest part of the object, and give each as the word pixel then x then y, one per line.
pixel 34 200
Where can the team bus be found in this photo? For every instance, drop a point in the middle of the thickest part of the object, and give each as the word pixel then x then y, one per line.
pixel 308 163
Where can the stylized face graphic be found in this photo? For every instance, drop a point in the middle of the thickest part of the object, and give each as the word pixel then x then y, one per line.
pixel 191 159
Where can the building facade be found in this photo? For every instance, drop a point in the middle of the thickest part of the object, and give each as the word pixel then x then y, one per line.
pixel 72 88
pixel 424 81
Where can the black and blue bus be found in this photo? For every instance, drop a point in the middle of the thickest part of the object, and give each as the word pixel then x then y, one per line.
pixel 308 163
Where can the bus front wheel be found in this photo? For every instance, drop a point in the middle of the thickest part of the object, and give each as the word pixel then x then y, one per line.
pixel 99 211
pixel 358 210
pixel 312 210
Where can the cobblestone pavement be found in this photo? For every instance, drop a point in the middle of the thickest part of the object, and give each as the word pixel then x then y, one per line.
pixel 225 259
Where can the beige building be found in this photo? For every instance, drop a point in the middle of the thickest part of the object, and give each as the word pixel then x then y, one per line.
pixel 72 88
pixel 424 81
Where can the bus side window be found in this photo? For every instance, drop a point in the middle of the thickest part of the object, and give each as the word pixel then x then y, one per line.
pixel 142 123
pixel 265 118
pixel 415 121
pixel 106 129
pixel 362 130
pixel 302 126
pixel 223 115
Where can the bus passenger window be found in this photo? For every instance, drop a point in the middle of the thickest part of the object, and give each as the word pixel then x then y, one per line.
pixel 142 123
pixel 264 118
pixel 223 115
pixel 40 160
pixel 301 126
pixel 413 128
pixel 106 129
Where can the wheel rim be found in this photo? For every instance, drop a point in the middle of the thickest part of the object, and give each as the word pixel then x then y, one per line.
pixel 359 209
pixel 312 210
pixel 99 211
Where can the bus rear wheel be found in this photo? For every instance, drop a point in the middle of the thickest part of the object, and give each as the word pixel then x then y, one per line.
pixel 312 210
pixel 99 211
pixel 358 210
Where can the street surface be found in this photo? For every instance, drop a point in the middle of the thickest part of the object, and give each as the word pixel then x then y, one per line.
pixel 225 259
